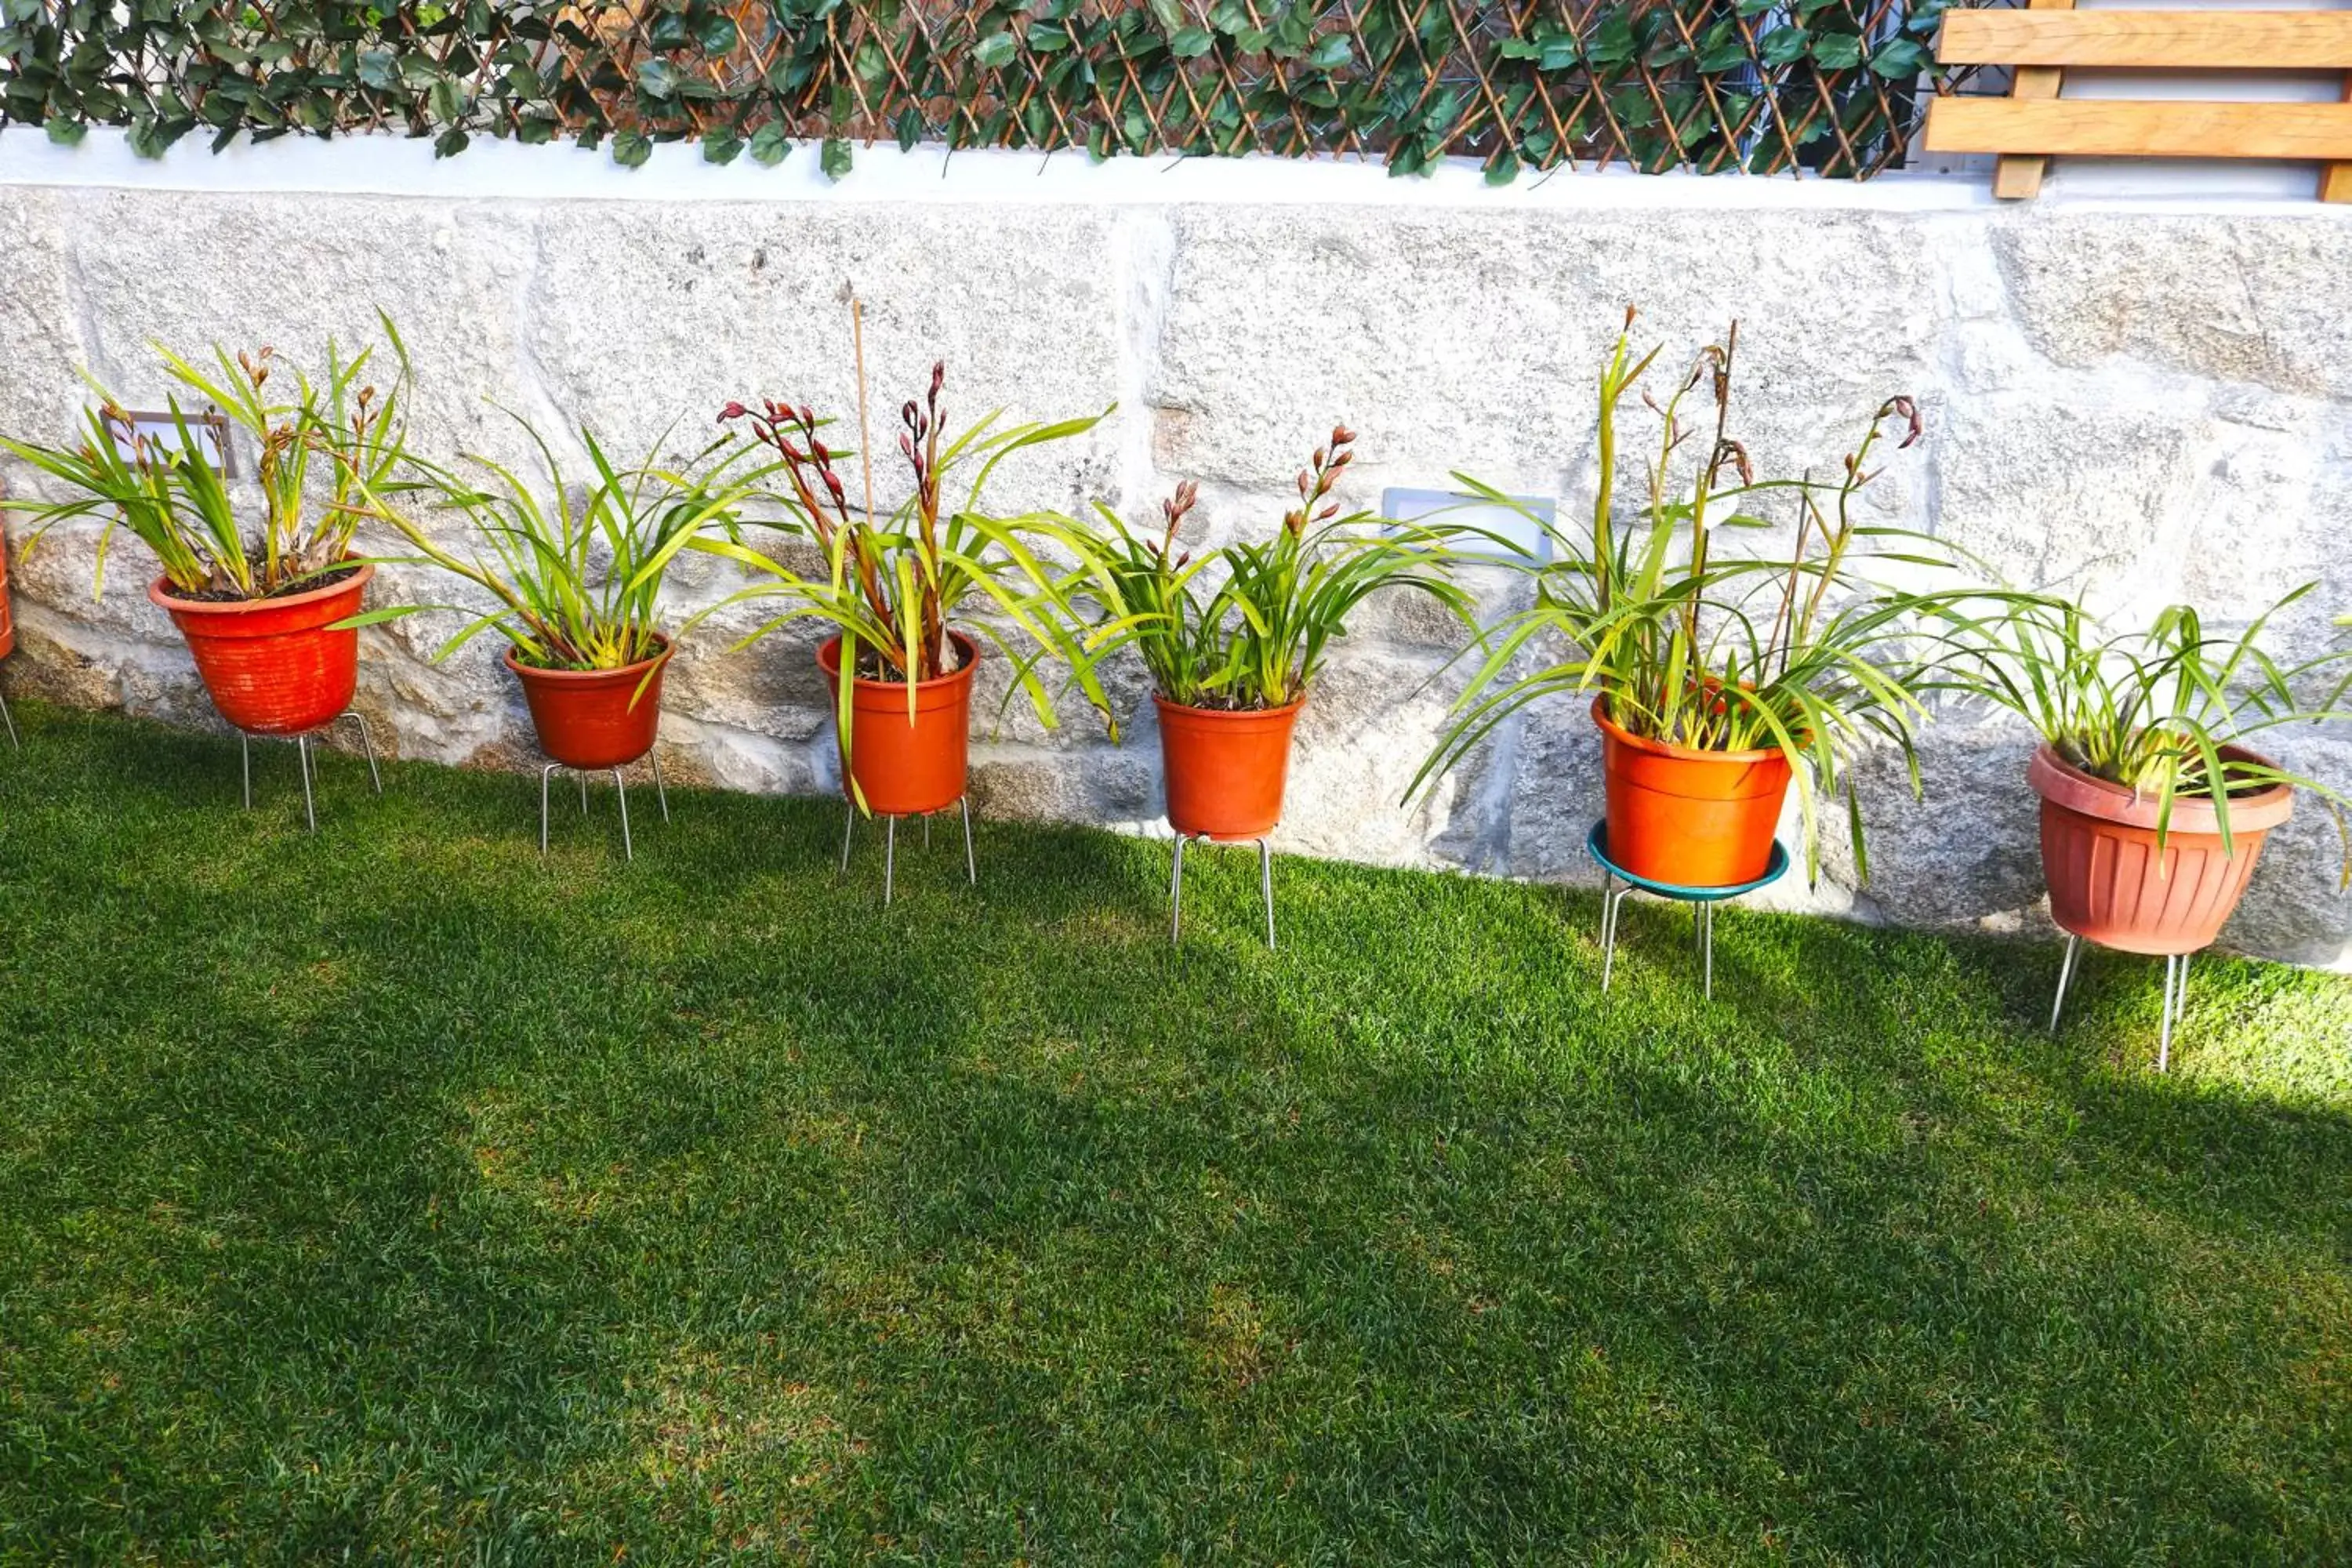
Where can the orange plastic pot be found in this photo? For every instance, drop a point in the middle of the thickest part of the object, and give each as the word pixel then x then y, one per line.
pixel 274 667
pixel 1690 818
pixel 2110 882
pixel 1225 770
pixel 903 766
pixel 594 719
pixel 7 619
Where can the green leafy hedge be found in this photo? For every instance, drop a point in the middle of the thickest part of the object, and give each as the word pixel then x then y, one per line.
pixel 1766 85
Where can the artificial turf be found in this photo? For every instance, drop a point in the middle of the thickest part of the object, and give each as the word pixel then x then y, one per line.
pixel 394 1194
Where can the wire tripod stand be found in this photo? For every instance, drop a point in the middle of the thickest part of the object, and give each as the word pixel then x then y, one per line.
pixel 301 739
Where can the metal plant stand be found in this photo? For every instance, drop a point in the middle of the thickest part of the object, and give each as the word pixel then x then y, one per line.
pixel 1176 884
pixel 2176 995
pixel 245 739
pixel 1702 900
pixel 620 790
pixel 890 843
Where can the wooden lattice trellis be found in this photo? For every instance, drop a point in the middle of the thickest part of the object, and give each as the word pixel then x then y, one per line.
pixel 1832 86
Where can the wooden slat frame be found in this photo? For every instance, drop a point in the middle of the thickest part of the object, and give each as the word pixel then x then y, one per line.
pixel 2048 37
pixel 2155 40
pixel 2142 127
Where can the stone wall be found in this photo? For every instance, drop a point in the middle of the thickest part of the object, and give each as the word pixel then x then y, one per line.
pixel 2150 405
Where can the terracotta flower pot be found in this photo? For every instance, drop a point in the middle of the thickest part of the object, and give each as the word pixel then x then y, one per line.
pixel 1225 770
pixel 2110 883
pixel 273 666
pixel 586 718
pixel 907 767
pixel 1691 818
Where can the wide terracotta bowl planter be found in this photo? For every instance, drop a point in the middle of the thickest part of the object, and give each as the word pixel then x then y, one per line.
pixel 2110 882
pixel 1225 769
pixel 1689 818
pixel 907 767
pixel 274 667
pixel 594 718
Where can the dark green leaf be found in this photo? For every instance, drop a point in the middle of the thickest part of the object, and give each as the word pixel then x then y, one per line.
pixel 768 144
pixel 1837 51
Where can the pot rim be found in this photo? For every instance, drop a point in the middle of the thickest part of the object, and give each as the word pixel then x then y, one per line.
pixel 586 677
pixel 2068 787
pixel 828 658
pixel 1218 715
pixel 159 592
pixel 1625 737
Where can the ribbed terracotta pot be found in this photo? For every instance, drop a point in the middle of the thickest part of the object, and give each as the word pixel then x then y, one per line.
pixel 1689 818
pixel 272 666
pixel 2108 880
pixel 1225 770
pixel 594 719
pixel 907 767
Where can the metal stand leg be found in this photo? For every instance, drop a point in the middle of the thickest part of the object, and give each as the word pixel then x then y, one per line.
pixel 621 793
pixel 660 790
pixel 2065 973
pixel 367 743
pixel 302 755
pixel 889 856
pixel 848 833
pixel 545 773
pixel 1706 945
pixel 2176 1004
pixel 1266 887
pixel 971 866
pixel 9 720
pixel 1613 900
pixel 583 795
pixel 926 830
pixel 1176 895
pixel 244 755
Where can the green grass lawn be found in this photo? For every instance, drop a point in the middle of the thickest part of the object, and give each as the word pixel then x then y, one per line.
pixel 394 1195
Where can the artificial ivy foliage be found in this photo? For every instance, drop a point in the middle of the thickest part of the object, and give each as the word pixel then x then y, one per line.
pixel 1763 85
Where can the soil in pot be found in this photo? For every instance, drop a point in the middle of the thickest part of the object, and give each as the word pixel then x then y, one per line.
pixel 907 766
pixel 593 718
pixel 1225 769
pixel 2110 882
pixel 1689 818
pixel 274 667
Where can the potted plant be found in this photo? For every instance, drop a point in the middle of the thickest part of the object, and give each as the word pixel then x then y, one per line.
pixel 1233 651
pixel 1719 677
pixel 895 587
pixel 2154 806
pixel 262 612
pixel 574 575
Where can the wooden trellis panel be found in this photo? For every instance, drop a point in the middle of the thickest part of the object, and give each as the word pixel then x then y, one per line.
pixel 2042 42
